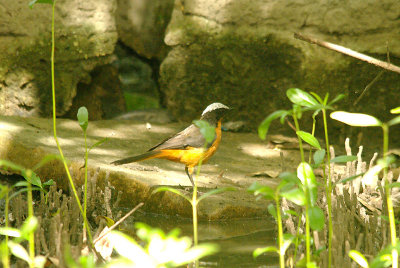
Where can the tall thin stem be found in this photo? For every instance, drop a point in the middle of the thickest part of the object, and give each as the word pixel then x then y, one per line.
pixel 280 233
pixel 6 259
pixel 307 205
pixel 31 235
pixel 393 236
pixel 328 190
pixel 53 90
pixel 86 175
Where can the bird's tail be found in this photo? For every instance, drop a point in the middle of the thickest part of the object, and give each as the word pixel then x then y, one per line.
pixel 145 156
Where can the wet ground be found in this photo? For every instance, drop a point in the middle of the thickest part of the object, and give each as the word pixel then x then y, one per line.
pixel 237 238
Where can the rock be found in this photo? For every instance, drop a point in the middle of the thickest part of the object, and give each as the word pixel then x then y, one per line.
pixel 138 78
pixel 85 35
pixel 159 116
pixel 26 141
pixel 141 25
pixel 103 97
pixel 243 54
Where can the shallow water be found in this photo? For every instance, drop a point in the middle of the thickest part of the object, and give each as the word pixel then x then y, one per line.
pixel 237 238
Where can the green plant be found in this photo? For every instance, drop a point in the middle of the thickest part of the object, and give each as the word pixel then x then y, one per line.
pixel 160 249
pixel 24 233
pixel 209 133
pixel 302 102
pixel 364 120
pixel 31 179
pixel 286 188
pixel 53 91
pixel 83 120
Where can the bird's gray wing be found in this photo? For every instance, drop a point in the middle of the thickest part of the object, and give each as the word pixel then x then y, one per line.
pixel 190 136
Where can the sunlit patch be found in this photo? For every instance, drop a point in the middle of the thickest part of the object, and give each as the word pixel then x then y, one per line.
pixel 259 150
pixel 9 127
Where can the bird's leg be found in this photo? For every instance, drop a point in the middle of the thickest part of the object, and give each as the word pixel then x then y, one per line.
pixel 190 175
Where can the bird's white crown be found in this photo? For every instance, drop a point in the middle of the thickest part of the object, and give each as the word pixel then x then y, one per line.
pixel 214 106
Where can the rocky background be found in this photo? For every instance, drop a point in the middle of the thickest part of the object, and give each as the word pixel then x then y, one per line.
pixel 185 54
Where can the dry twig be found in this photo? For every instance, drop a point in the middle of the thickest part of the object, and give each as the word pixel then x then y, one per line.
pixel 349 52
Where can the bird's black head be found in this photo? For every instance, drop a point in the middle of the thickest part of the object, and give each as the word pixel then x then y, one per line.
pixel 214 112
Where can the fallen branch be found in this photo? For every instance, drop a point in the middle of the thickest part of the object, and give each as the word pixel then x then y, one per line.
pixel 349 52
pixel 117 223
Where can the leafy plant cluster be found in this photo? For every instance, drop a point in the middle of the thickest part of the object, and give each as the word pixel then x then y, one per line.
pixel 301 188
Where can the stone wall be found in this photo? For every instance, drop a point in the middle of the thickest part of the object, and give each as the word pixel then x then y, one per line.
pixel 243 54
pixel 85 35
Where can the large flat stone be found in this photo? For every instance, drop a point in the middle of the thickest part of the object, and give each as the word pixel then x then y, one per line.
pixel 241 155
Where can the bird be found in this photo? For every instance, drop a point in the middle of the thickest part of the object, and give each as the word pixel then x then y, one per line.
pixel 189 145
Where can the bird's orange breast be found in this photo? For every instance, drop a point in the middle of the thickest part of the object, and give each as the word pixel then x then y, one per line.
pixel 191 156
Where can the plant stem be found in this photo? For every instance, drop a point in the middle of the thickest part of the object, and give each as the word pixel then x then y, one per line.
pixel 312 133
pixel 194 210
pixel 6 259
pixel 31 234
pixel 328 191
pixel 395 254
pixel 53 90
pixel 308 237
pixel 86 175
pixel 280 232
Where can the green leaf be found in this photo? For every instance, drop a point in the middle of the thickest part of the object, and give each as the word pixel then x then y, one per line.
pixel 264 126
pixel 394 185
pixel 98 143
pixel 21 184
pixel 206 130
pixel 290 177
pixel 356 119
pixel 307 178
pixel 317 218
pixel 319 156
pixel 325 102
pixel 29 226
pixel 315 95
pixel 18 251
pixel 295 195
pixel 337 98
pixel 395 110
pixel 265 191
pixel 83 118
pixel 358 258
pixel 193 253
pixel 272 210
pixel 40 261
pixel 172 190
pixel 127 247
pixel 291 212
pixel 297 111
pixel 345 180
pixel 287 240
pixel 386 161
pixel 14 194
pixel 48 183
pixel 258 251
pixel 300 97
pixel 310 139
pixel 10 231
pixel 33 2
pixel 5 165
pixel 343 158
pixel 31 177
pixel 394 121
pixel 312 264
pixel 215 191
pixel 110 222
pixel 46 159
